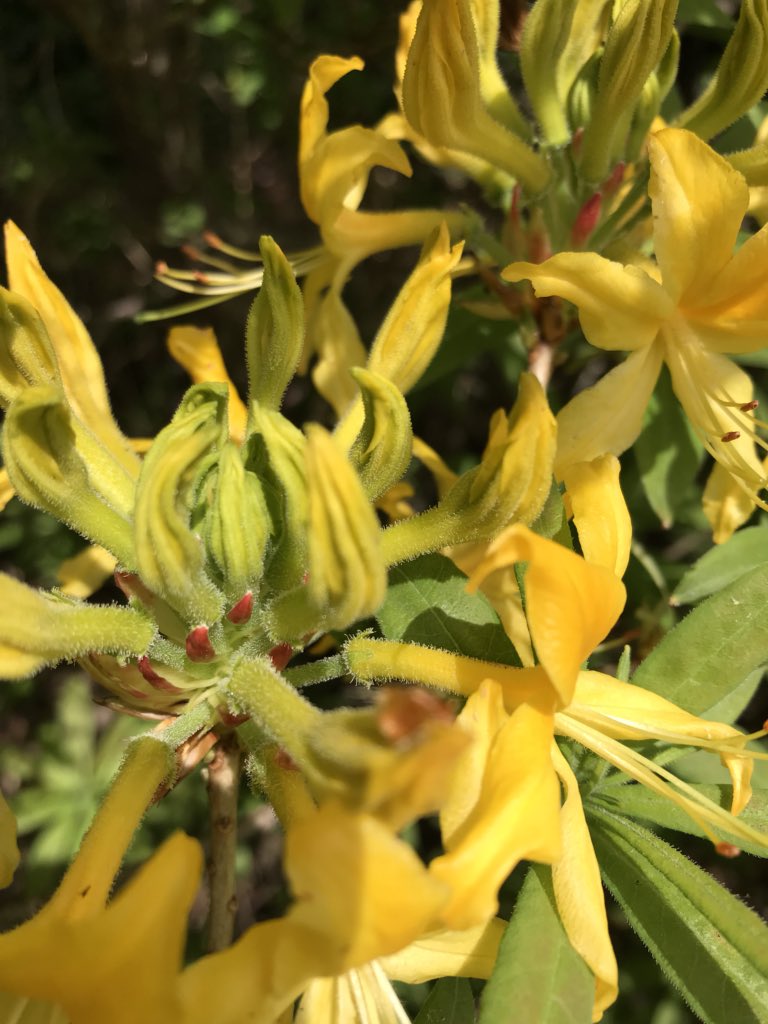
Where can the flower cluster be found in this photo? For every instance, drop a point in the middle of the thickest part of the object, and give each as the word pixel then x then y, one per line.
pixel 254 559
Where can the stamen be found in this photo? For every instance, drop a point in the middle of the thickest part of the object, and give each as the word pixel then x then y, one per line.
pixel 732 435
pixel 727 850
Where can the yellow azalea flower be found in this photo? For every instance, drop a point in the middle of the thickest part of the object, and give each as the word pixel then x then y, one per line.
pixel 703 301
pixel 197 350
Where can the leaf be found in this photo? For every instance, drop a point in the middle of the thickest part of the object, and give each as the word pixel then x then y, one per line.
pixel 427 603
pixel 668 453
pixel 640 802
pixel 449 1002
pixel 708 943
pixel 723 564
pixel 539 978
pixel 712 651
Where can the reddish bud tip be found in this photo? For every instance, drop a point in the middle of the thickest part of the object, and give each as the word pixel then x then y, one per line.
pixel 136 694
pixel 614 179
pixel 231 719
pixel 305 577
pixel 514 206
pixel 586 220
pixel 199 645
pixel 159 682
pixel 727 850
pixel 749 406
pixel 284 760
pixel 124 580
pixel 242 611
pixel 281 655
pixel 578 135
pixel 732 435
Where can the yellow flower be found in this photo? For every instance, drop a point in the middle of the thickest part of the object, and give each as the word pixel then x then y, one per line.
pixel 701 302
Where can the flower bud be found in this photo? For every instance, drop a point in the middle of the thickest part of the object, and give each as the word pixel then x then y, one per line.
pixel 26 354
pixel 237 524
pixel 274 333
pixel 57 465
pixel 169 552
pixel 274 454
pixel 382 450
pixel 446 77
pixel 347 578
pixel 544 36
pixel 37 629
pixel 636 42
pixel 741 78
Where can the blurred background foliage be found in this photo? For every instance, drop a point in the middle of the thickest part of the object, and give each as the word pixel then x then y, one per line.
pixel 128 127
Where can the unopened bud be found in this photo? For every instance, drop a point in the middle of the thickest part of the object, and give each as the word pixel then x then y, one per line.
pixel 198 645
pixel 242 610
pixel 154 679
pixel 281 655
pixel 382 450
pixel 586 220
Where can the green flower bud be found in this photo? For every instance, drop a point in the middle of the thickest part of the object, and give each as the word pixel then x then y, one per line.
pixel 544 36
pixel 511 483
pixel 382 450
pixel 274 333
pixel 26 353
pixel 170 554
pixel 237 524
pixel 57 465
pixel 636 42
pixel 581 98
pixel 452 97
pixel 752 163
pixel 741 78
pixel 347 579
pixel 274 453
pixel 37 629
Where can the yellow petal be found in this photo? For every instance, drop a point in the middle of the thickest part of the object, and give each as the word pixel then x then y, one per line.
pixel 337 343
pixel 444 476
pixel 600 512
pixel 6 489
pixel 82 374
pixel 359 886
pixel 516 816
pixel 324 72
pixel 712 389
pixel 579 892
pixel 726 505
pixel 628 712
pixel 455 954
pixel 83 574
pixel 608 416
pixel 196 349
pixel 619 307
pixel 9 851
pixel 699 202
pixel 571 604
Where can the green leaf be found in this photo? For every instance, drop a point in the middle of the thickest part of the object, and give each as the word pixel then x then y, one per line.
pixel 712 651
pixel 640 802
pixel 427 603
pixel 539 978
pixel 449 1002
pixel 668 453
pixel 723 564
pixel 711 946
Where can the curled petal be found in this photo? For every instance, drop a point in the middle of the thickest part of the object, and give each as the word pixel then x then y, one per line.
pixel 456 954
pixel 726 505
pixel 600 512
pixel 197 350
pixel 620 308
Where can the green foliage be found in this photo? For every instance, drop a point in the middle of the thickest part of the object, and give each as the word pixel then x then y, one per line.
pixel 449 1002
pixel 722 565
pixel 713 948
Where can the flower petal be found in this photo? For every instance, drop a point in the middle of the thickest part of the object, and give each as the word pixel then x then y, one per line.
pixel 571 604
pixel 454 954
pixel 579 892
pixel 83 574
pixel 620 308
pixel 516 816
pixel 699 202
pixel 197 350
pixel 600 512
pixel 608 416
pixel 726 505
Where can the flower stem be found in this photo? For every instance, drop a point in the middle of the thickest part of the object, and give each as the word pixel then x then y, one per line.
pixel 223 786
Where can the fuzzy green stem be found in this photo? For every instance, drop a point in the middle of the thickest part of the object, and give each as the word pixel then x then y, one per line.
pixel 316 671
pixel 275 705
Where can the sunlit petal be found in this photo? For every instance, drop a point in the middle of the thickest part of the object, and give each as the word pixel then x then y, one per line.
pixel 699 202
pixel 726 505
pixel 620 307
pixel 456 954
pixel 608 417
pixel 83 574
pixel 600 512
